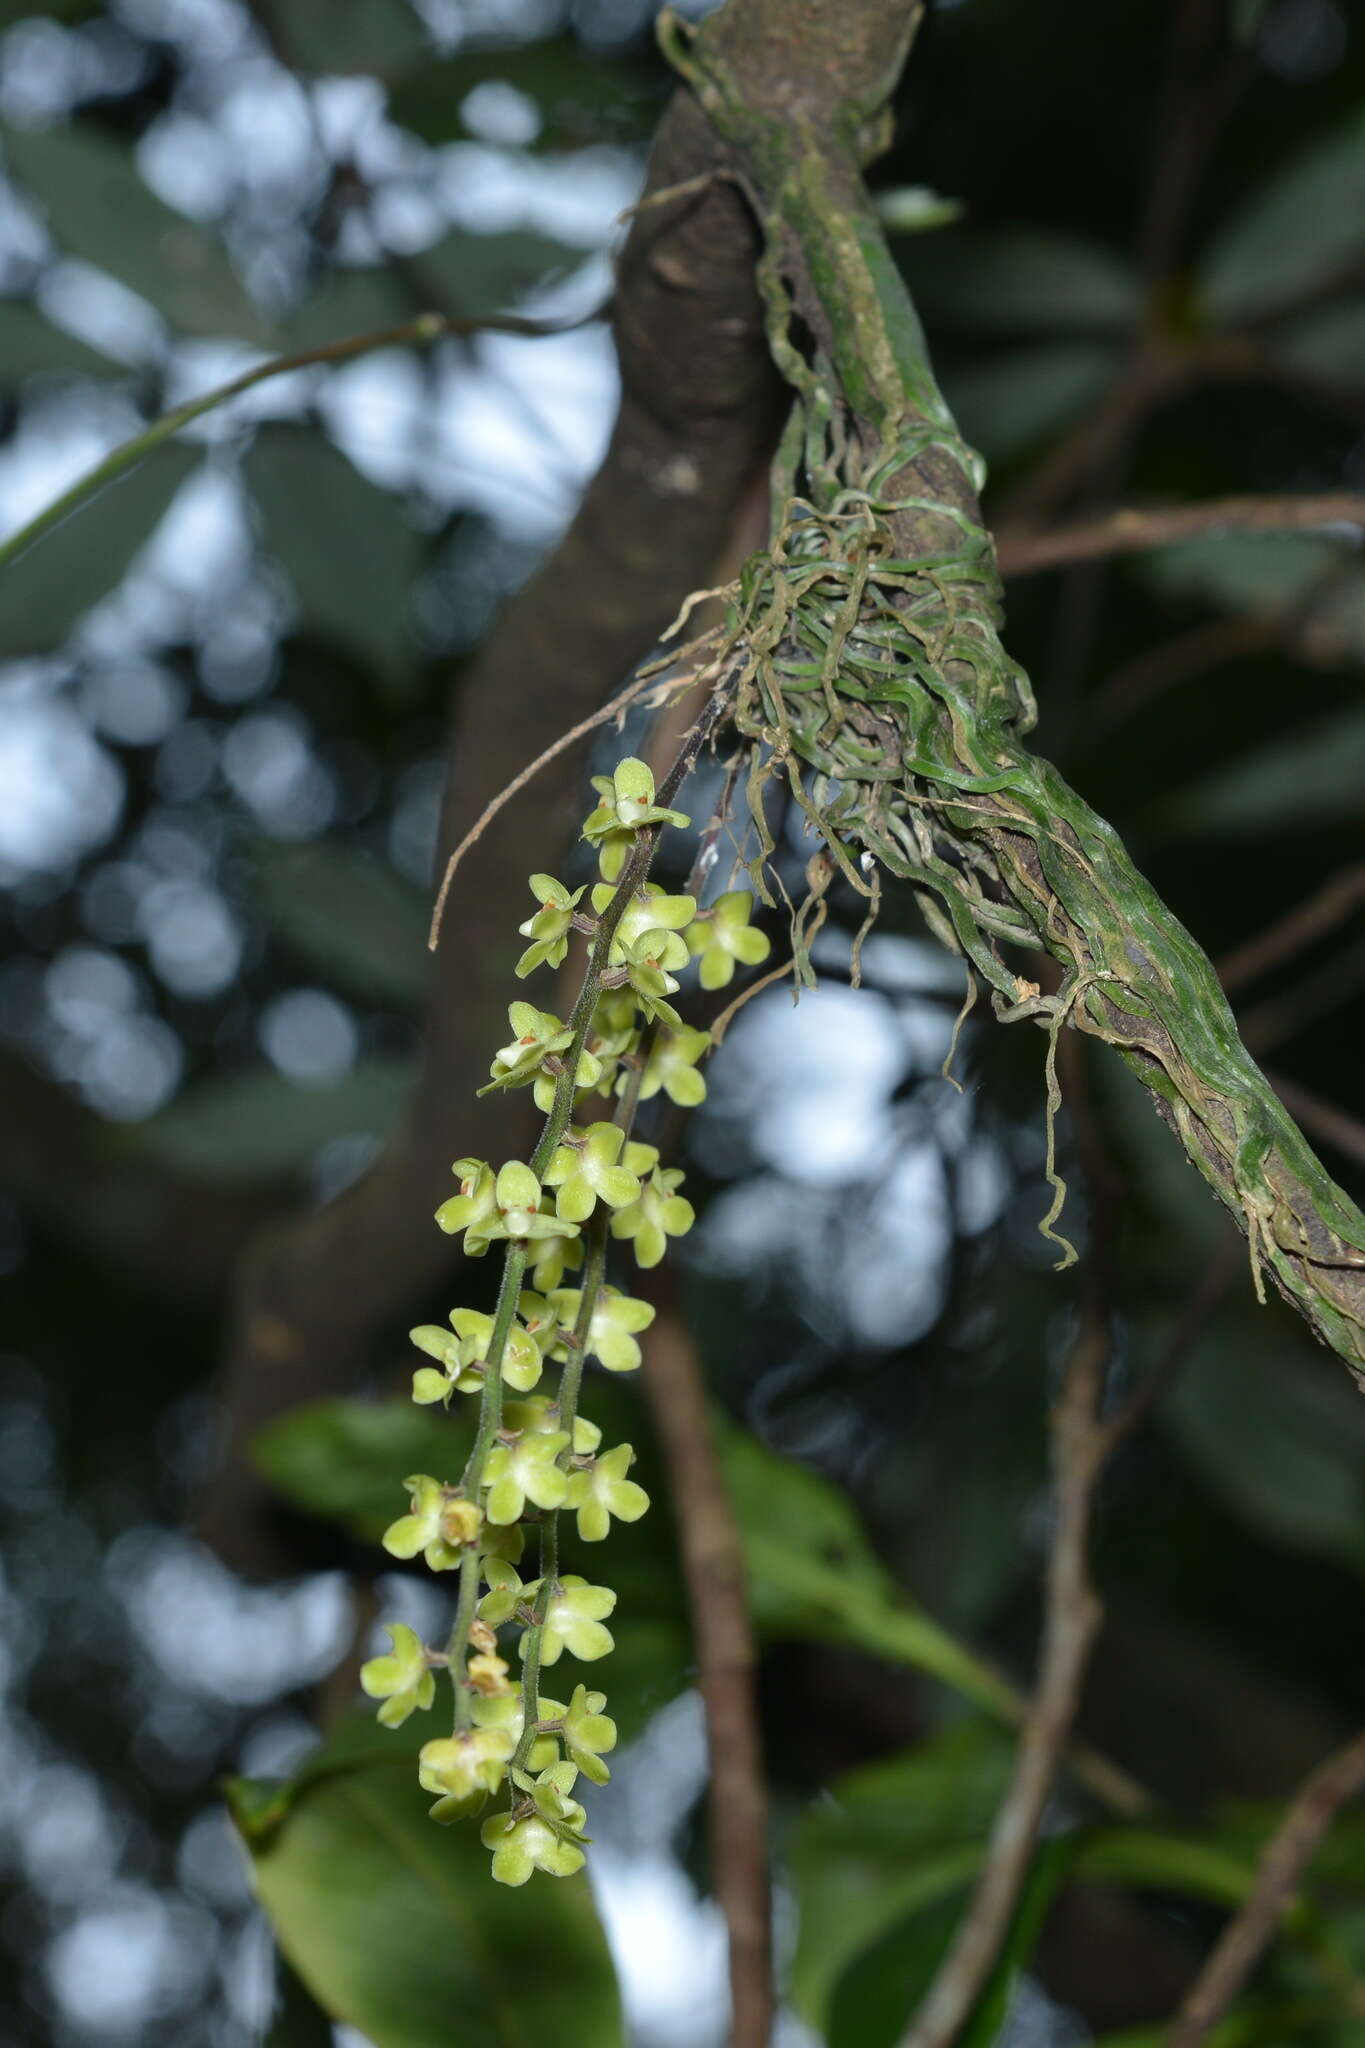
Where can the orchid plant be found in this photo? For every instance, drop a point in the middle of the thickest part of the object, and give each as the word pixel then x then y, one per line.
pixel 589 1188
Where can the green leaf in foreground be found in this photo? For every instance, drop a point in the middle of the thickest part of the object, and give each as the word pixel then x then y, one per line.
pixel 892 1840
pixel 393 1925
pixel 875 1998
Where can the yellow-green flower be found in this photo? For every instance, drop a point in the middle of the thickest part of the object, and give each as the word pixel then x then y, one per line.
pixel 658 1214
pixel 403 1681
pixel 601 1489
pixel 722 935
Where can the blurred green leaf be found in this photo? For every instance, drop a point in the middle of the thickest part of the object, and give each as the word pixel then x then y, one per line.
pixel 397 1929
pixel 98 207
pixel 1283 1443
pixel 1302 226
pixel 1327 342
pixel 915 209
pixel 30 345
pixel 349 299
pixel 581 95
pixel 814 1574
pixel 345 1461
pixel 464 273
pixel 349 916
pixel 341 37
pixel 1246 17
pixel 882 1864
pixel 348 547
pixel 888 1841
pixel 1155 1859
pixel 880 1991
pixel 1012 405
pixel 256 1125
pixel 1260 573
pixel 1312 775
pixel 1260 2023
pixel 48 588
pixel 469 274
pixel 1021 281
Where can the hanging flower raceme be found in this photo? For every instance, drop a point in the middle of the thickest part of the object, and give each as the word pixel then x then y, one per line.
pixel 535 1460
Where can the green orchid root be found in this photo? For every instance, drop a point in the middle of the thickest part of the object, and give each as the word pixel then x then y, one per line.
pixel 588 1188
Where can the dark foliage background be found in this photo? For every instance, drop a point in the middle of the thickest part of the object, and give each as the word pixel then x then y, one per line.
pixel 223 708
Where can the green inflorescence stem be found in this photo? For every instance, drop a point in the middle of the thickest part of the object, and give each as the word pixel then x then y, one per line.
pixel 632 877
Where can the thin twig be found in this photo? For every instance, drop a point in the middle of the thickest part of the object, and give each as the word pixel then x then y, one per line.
pixel 415 333
pixel 1298 628
pixel 1208 1294
pixel 1130 530
pixel 1331 1123
pixel 713 1569
pixel 1072 1618
pixel 1309 920
pixel 614 708
pixel 1175 660
pixel 1283 1860
pixel 1312 996
pixel 1083 1442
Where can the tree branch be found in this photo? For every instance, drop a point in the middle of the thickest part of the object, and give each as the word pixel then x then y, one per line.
pixel 1312 919
pixel 713 1571
pixel 1131 530
pixel 1282 1864
pixel 1080 1445
pixel 922 759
